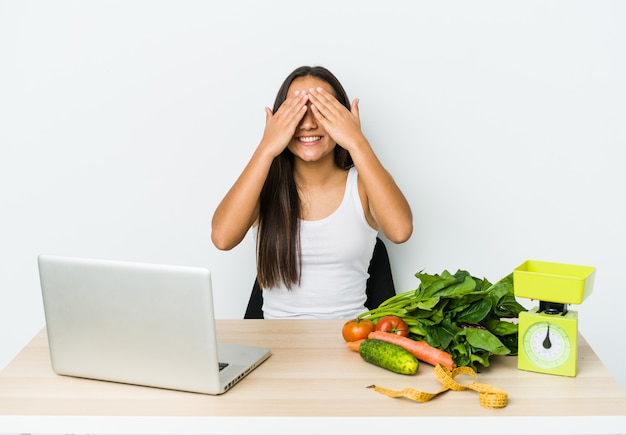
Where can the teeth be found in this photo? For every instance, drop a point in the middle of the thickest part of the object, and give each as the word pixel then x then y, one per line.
pixel 310 138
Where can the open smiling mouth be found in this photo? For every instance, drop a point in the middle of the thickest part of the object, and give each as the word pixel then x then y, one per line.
pixel 309 139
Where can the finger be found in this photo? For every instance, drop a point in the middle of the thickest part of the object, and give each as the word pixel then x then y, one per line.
pixel 355 107
pixel 298 115
pixel 318 115
pixel 326 103
pixel 294 106
pixel 268 114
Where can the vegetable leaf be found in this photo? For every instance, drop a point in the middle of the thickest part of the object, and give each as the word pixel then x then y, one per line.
pixel 476 312
pixel 460 314
pixel 483 339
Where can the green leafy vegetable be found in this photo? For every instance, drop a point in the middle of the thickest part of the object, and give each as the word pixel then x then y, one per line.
pixel 460 314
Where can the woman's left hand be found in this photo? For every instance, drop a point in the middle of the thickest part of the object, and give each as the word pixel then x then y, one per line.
pixel 343 125
pixel 386 204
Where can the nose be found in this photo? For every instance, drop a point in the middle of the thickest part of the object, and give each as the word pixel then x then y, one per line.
pixel 308 121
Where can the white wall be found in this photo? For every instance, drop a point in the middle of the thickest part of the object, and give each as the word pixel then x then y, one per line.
pixel 123 123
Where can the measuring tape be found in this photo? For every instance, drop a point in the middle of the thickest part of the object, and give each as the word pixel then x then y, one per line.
pixel 489 397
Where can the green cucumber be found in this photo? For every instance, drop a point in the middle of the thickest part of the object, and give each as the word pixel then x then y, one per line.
pixel 388 356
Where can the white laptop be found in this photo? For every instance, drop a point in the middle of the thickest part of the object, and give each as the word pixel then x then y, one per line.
pixel 137 323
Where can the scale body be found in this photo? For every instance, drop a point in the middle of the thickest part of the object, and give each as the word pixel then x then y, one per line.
pixel 548 343
pixel 548 334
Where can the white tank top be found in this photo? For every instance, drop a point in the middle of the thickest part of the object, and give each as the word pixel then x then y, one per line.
pixel 336 252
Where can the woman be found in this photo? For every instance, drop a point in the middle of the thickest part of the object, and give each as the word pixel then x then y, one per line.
pixel 318 196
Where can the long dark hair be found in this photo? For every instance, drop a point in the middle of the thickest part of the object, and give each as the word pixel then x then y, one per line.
pixel 278 243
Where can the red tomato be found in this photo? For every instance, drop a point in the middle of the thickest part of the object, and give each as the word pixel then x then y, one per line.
pixel 357 329
pixel 394 325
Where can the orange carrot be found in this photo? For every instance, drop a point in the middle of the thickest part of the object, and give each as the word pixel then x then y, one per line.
pixel 420 349
pixel 354 345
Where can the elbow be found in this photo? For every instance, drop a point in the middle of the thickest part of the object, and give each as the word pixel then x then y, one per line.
pixel 221 243
pixel 396 224
pixel 399 233
pixel 226 236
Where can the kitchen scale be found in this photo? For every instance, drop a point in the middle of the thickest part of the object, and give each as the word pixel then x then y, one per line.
pixel 548 334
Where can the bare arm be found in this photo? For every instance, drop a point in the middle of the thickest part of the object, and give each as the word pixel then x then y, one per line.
pixel 387 205
pixel 239 209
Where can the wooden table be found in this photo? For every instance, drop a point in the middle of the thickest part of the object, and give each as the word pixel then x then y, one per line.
pixel 311 384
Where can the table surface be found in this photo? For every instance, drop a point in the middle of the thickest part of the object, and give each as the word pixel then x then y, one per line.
pixel 312 383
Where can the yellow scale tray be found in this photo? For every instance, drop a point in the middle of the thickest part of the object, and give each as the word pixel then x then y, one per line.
pixel 553 282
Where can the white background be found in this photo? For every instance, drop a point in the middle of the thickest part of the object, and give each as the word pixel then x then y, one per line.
pixel 123 124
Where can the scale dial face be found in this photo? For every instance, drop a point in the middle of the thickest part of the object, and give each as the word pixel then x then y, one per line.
pixel 547 345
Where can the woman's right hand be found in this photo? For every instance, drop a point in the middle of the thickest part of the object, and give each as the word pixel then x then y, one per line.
pixel 239 209
pixel 280 127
